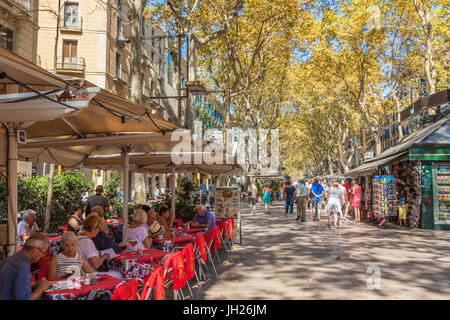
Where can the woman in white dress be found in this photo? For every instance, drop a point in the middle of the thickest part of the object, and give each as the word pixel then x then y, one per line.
pixel 334 202
pixel 138 232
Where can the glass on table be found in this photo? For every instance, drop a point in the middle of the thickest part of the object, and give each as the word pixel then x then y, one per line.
pixel 123 245
pixel 132 243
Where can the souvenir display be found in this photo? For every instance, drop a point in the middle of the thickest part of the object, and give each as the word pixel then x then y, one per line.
pixel 443 194
pixel 384 198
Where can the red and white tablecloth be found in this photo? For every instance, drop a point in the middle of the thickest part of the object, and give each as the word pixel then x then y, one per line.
pixel 194 230
pixel 148 255
pixel 104 282
pixel 177 240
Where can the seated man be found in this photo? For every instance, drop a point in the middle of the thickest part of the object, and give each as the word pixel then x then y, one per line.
pixel 15 274
pixel 203 218
pixel 27 226
pixel 153 227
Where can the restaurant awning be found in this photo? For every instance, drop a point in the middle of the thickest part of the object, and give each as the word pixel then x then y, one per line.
pixel 18 109
pixel 41 106
pixel 163 162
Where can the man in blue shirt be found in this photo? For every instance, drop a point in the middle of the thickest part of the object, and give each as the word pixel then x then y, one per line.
pixel 15 274
pixel 289 191
pixel 317 192
pixel 203 218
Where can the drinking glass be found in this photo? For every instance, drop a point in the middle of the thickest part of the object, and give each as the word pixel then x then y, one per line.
pixel 132 243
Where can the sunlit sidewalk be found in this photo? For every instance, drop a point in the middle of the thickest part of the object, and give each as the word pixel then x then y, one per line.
pixel 282 258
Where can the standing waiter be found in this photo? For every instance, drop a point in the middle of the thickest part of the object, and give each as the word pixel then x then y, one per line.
pixel 96 200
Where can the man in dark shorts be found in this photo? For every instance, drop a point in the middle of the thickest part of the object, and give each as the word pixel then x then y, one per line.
pixel 96 200
pixel 289 192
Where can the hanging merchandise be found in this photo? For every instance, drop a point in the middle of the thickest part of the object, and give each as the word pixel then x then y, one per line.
pixel 384 196
pixel 368 195
pixel 443 194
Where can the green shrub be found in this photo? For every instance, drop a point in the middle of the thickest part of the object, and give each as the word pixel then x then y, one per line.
pixel 32 194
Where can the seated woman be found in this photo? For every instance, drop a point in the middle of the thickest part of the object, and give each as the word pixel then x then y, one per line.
pixel 75 221
pixel 165 219
pixel 138 232
pixel 101 213
pixel 86 247
pixel 64 264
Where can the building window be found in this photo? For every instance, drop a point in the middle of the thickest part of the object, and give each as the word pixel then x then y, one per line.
pixel 142 80
pixel 152 88
pixel 118 64
pixel 71 16
pixel 70 54
pixel 153 40
pixel 119 29
pixel 153 57
pixel 6 38
pixel 143 27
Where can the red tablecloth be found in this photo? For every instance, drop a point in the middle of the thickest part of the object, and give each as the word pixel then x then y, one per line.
pixel 148 255
pixel 107 282
pixel 115 223
pixel 194 230
pixel 177 240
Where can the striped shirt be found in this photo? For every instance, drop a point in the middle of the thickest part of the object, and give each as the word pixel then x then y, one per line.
pixel 64 264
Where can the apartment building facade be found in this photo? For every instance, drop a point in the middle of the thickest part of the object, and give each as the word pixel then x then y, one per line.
pixel 92 39
pixel 19 27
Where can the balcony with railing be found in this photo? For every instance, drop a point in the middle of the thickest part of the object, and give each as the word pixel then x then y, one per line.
pixel 70 64
pixel 71 24
pixel 123 76
pixel 23 4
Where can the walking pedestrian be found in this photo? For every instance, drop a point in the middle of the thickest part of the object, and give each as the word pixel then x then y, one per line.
pixel 289 192
pixel 266 197
pixel 301 192
pixel 347 187
pixel 344 203
pixel 356 200
pixel 253 192
pixel 318 192
pixel 334 201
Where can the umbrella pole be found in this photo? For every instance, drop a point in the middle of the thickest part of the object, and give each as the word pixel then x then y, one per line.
pixel 172 189
pixel 126 169
pixel 12 189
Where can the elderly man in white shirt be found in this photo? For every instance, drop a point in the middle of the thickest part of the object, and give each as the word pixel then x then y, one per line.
pixel 301 192
pixel 27 226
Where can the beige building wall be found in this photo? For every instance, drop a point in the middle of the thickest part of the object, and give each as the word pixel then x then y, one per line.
pixel 97 46
pixel 20 18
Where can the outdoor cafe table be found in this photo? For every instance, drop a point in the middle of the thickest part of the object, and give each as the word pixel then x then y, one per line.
pixel 178 240
pixel 148 256
pixel 104 281
pixel 114 222
pixel 194 230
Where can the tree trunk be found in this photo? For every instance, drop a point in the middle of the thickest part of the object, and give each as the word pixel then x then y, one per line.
pixel 48 208
pixel 140 193
pixel 136 10
pixel 55 50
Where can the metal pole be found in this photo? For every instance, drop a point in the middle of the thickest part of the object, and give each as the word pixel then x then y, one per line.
pixel 172 189
pixel 126 182
pixel 12 189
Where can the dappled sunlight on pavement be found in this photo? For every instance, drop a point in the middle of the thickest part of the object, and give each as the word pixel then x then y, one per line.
pixel 282 258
